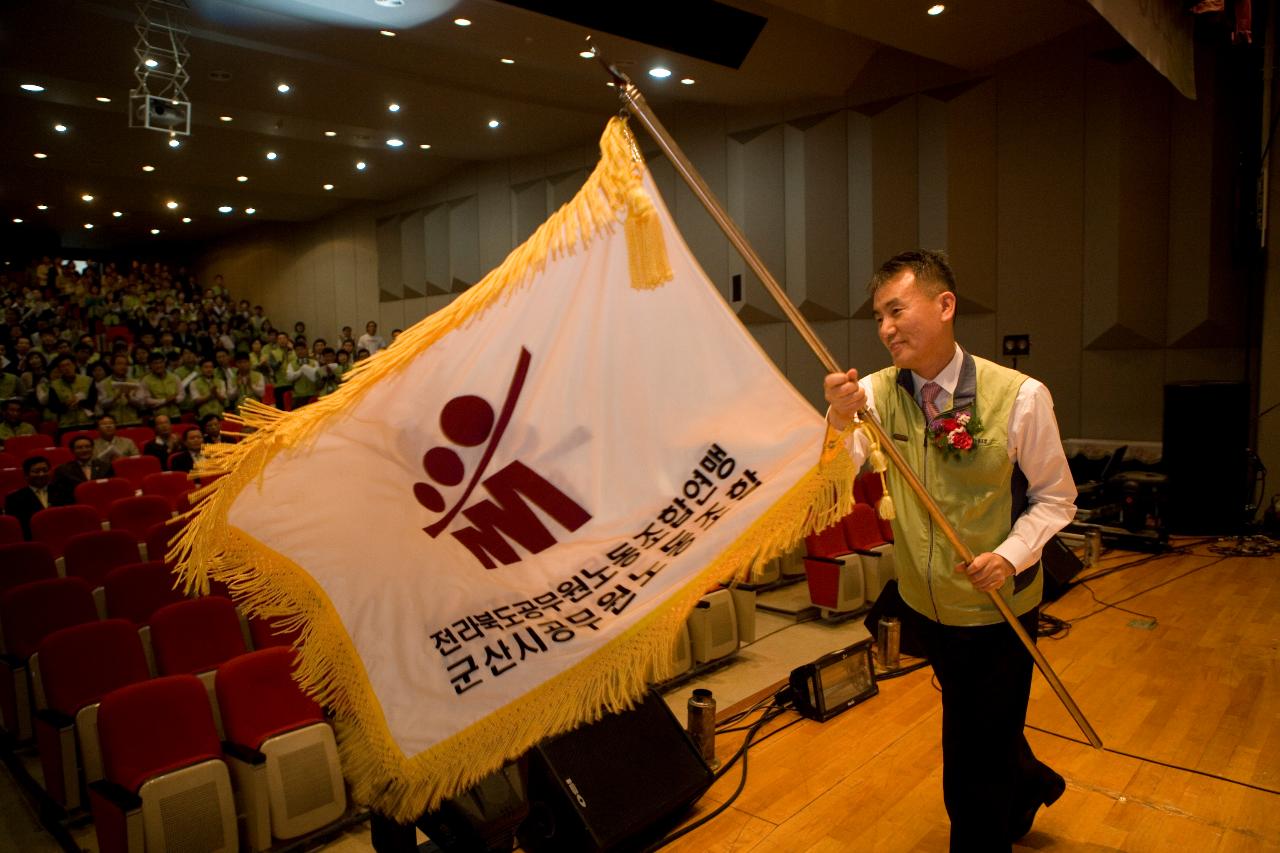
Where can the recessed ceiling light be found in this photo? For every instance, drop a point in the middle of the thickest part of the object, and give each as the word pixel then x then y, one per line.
pixel 40 155
pixel 390 4
pixel 226 208
pixel 586 54
pixel 102 99
pixel 388 33
pixel 150 63
pixel 426 146
pixel 155 231
pixel 88 226
pixel 937 9
pixel 360 165
pixel 250 211
pixel 86 197
pixel 271 155
pixel 393 108
pixel 283 88
pixel 148 168
pixel 493 122
pixel 61 128
pixel 174 142
pixel 186 220
pixel 117 214
pixel 242 178
pixel 331 133
pixel 659 72
pixel 688 81
pixel 225 118
pixel 42 207
pixel 394 143
pixel 328 187
pixel 31 87
pixel 462 22
pixel 172 205
pixel 17 220
pixel 507 61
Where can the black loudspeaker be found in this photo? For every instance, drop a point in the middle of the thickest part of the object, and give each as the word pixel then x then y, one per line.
pixel 1206 442
pixel 615 785
pixel 1061 565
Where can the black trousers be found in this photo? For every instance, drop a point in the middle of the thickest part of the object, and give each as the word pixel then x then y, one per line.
pixel 990 777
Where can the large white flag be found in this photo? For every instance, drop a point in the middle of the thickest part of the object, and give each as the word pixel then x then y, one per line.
pixel 492 532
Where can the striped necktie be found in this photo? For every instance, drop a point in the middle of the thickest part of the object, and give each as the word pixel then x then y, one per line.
pixel 929 396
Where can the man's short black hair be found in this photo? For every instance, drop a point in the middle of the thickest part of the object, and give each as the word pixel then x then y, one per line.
pixel 80 438
pixel 31 462
pixel 204 422
pixel 932 271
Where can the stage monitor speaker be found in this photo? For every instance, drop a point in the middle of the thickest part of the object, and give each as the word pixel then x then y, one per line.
pixel 1060 565
pixel 614 785
pixel 1205 453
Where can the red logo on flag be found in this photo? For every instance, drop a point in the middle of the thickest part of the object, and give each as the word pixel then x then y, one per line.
pixel 468 421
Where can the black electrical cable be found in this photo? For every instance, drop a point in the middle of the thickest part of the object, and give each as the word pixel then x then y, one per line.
pixel 1114 604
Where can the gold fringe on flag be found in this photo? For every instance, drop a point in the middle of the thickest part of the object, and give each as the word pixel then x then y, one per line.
pixel 270 585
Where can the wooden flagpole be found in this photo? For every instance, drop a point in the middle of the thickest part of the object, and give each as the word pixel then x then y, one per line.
pixel 635 104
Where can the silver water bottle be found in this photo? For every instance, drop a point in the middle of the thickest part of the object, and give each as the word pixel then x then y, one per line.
pixel 888 636
pixel 702 723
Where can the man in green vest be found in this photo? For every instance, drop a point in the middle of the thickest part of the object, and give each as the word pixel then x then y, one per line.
pixel 206 391
pixel 301 374
pixel 66 396
pixel 118 393
pixel 984 441
pixel 161 389
pixel 13 424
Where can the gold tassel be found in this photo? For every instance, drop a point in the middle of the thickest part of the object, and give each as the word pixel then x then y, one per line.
pixel 884 508
pixel 646 246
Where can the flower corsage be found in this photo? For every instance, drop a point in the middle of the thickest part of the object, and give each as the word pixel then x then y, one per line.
pixel 953 433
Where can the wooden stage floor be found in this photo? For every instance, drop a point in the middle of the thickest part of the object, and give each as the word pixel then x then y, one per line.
pixel 1188 710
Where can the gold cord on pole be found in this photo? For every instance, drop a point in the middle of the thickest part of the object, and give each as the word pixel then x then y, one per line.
pixel 635 104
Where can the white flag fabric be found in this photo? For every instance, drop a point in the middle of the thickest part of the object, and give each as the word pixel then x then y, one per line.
pixel 492 532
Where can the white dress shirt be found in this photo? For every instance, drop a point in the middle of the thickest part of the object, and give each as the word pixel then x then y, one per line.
pixel 1034 446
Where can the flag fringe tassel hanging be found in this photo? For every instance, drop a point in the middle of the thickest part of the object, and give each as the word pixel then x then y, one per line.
pixel 269 585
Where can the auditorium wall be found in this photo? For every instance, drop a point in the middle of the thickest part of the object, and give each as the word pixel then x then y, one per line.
pixel 1082 200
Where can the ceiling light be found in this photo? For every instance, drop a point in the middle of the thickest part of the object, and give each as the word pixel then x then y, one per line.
pixel 331 133
pixel 155 231
pixel 225 118
pixel 426 146
pixel 42 207
pixel 61 128
pixel 174 142
pixel 242 178
pixel 388 33
pixel 148 168
pixel 937 9
pixel 172 205
pixel 688 81
pixel 393 108
pixel 31 87
pixel 493 122
pixel 506 61
pixel 328 187
pixel 86 197
pixel 250 211
pixel 586 54
pixel 283 88
pixel 17 220
pixel 117 214
pixel 271 155
pixel 394 143
pixel 390 4
pixel 462 22
pixel 360 165
pixel 150 63
pixel 40 155
pixel 226 208
pixel 102 99
pixel 186 220
pixel 88 226
pixel 659 72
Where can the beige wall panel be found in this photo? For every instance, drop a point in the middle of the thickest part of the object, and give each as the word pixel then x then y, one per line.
pixel 323 292
pixel 413 253
pixel 563 186
pixel 390 316
pixel 702 138
pixel 817 215
pixel 365 242
pixel 862 261
pixel 804 370
pixel 414 310
pixel 438 301
pixel 755 201
pixel 1122 395
pixel 1192 365
pixel 1040 218
pixel 977 334
pixel 344 280
pixel 390 282
pixel 895 219
pixel 528 209
pixel 436 245
pixel 772 338
pixel 1126 196
pixel 464 243
pixel 866 353
pixel 972 167
pixel 933 184
pixel 494 201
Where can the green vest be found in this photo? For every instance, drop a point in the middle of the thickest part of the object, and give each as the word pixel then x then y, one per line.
pixel 8 386
pixel 23 428
pixel 70 414
pixel 119 404
pixel 302 386
pixel 162 388
pixel 201 387
pixel 976 491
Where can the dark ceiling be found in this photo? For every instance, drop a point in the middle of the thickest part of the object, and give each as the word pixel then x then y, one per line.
pixel 448 80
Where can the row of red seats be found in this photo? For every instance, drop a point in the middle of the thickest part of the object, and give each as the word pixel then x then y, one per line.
pixel 23 445
pixel 135 469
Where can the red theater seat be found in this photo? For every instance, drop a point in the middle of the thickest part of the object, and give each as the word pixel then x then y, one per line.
pixel 10 529
pixel 170 485
pixel 100 494
pixel 139 514
pixel 24 562
pixel 57 524
pixel 135 468
pixel 136 591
